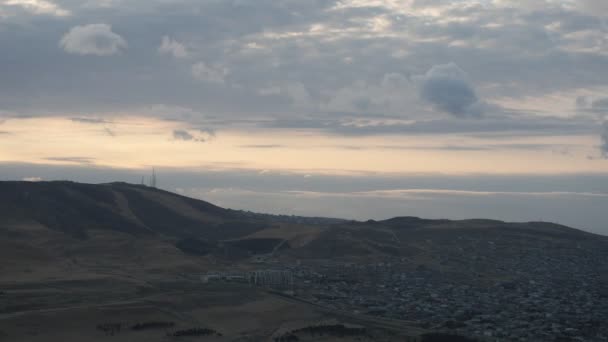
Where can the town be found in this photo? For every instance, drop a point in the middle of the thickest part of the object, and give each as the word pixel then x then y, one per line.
pixel 547 298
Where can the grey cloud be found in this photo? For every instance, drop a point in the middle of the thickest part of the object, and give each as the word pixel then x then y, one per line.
pixel 180 134
pixel 582 102
pixel 395 80
pixel 600 105
pixel 202 135
pixel 473 148
pixel 431 3
pixel 211 74
pixel 506 52
pixel 95 121
pixel 90 120
pixel 93 39
pixel 75 160
pixel 109 132
pixel 594 7
pixel 505 125
pixel 208 133
pixel 446 87
pixel 604 141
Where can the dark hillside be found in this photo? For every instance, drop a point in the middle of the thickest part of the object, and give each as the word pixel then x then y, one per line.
pixel 64 206
pixel 74 208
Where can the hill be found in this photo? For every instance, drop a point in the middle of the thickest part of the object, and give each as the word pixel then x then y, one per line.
pixel 120 226
pixel 79 255
pixel 73 208
pixel 86 214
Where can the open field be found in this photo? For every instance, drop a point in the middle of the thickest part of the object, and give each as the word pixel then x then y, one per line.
pixel 79 311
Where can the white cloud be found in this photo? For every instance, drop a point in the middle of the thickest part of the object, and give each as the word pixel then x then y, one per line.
pixel 94 39
pixel 39 7
pixel 169 46
pixel 211 74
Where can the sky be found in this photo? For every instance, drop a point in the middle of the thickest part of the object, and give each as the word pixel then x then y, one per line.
pixel 353 108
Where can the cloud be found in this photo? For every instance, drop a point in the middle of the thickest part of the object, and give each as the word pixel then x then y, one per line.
pixel 203 135
pixel 210 74
pixel 94 39
pixel 408 193
pixel 299 95
pixel 393 94
pixel 447 87
pixel 109 132
pixel 494 126
pixel 604 138
pixel 39 7
pixel 206 133
pixel 465 148
pixel 296 58
pixel 582 102
pixel 600 105
pixel 75 160
pixel 180 134
pixel 593 7
pixel 394 80
pixel 169 46
pixel 89 120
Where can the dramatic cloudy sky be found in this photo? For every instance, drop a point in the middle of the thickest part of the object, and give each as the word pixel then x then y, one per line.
pixel 351 108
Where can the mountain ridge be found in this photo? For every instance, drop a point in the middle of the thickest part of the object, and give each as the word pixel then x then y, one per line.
pixel 16 200
pixel 110 225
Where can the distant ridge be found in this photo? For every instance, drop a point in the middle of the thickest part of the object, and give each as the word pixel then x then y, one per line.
pixel 72 208
pixel 100 228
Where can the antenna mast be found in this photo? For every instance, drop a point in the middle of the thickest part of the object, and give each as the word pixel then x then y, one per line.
pixel 153 179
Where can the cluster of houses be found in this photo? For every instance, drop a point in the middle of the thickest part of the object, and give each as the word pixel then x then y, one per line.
pixel 278 279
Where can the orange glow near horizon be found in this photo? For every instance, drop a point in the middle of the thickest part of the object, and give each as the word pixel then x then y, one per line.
pixel 140 142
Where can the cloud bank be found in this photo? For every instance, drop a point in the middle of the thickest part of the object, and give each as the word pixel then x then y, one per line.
pixel 347 69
